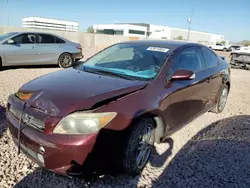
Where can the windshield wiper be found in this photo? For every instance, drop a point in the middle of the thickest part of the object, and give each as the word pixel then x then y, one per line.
pixel 105 72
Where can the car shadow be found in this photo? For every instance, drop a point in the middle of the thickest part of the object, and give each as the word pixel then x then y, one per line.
pixel 5 68
pixel 217 156
pixel 44 178
pixel 3 126
pixel 35 66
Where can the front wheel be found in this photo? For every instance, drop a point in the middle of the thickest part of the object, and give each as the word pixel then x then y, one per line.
pixel 65 60
pixel 138 147
pixel 0 63
pixel 221 103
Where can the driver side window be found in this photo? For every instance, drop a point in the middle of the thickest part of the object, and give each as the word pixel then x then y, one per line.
pixel 24 39
pixel 191 59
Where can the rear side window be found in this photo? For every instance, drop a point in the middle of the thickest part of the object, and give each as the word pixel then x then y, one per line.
pixel 59 40
pixel 191 59
pixel 210 57
pixel 45 39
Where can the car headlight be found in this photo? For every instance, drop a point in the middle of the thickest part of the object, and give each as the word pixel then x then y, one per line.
pixel 83 123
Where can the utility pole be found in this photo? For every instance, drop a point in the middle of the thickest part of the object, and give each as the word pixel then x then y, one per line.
pixel 8 17
pixel 189 23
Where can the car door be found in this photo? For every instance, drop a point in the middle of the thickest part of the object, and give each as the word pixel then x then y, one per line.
pixel 22 51
pixel 219 46
pixel 47 48
pixel 185 99
pixel 215 76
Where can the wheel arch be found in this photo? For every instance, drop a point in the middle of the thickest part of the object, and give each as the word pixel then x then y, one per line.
pixel 64 53
pixel 159 124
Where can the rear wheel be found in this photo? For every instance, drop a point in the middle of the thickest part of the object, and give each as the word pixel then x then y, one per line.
pixel 224 49
pixel 221 103
pixel 138 146
pixel 65 60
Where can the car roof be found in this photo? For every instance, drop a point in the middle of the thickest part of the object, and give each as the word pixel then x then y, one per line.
pixel 23 32
pixel 171 44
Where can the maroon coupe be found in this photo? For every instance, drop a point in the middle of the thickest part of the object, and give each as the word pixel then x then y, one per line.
pixel 112 108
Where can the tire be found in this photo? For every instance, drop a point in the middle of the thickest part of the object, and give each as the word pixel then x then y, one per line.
pixel 224 49
pixel 1 67
pixel 65 60
pixel 220 105
pixel 131 163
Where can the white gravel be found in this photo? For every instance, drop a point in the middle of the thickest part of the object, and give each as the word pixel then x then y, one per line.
pixel 212 151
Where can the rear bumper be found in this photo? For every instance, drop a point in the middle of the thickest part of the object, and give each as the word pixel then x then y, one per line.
pixel 77 56
pixel 60 151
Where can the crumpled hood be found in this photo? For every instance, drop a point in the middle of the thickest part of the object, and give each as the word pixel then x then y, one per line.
pixel 69 90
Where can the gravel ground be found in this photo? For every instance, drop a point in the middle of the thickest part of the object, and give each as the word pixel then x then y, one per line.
pixel 212 151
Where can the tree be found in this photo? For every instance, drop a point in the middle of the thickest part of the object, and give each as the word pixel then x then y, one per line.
pixel 90 29
pixel 223 42
pixel 179 37
pixel 246 43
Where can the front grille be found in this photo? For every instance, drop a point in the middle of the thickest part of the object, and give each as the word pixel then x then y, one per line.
pixel 27 119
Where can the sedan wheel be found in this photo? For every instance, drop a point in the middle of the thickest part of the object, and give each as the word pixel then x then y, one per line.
pixel 65 61
pixel 223 99
pixel 145 147
pixel 138 147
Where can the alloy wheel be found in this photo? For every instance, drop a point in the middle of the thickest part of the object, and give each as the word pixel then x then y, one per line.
pixel 145 146
pixel 223 99
pixel 66 61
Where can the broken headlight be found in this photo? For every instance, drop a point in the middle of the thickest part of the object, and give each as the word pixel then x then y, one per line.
pixel 83 123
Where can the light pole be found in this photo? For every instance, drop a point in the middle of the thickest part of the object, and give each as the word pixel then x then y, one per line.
pixel 189 23
pixel 8 18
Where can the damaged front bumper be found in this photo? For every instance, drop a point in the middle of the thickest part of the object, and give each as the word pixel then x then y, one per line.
pixel 57 153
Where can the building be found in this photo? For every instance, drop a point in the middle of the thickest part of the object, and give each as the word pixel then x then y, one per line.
pixel 51 24
pixel 121 29
pixel 152 31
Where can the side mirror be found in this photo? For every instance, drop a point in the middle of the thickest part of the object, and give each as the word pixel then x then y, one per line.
pixel 10 41
pixel 183 74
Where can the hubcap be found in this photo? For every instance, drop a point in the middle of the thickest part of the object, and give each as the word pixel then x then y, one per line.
pixel 66 60
pixel 223 99
pixel 145 146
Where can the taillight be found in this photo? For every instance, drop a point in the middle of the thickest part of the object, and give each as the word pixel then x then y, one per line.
pixel 79 47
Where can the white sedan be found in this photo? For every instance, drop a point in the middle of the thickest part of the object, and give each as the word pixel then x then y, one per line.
pixel 36 48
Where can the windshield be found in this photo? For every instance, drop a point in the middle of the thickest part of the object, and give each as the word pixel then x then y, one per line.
pixel 138 61
pixel 6 35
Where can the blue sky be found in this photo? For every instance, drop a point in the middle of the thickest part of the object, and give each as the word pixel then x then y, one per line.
pixel 227 17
